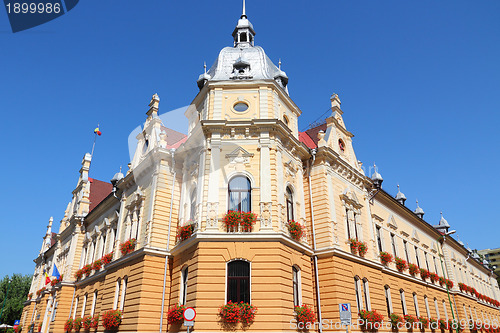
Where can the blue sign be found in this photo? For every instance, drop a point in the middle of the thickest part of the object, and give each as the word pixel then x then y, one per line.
pixel 17 322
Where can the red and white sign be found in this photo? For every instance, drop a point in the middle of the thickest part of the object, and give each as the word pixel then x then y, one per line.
pixel 189 314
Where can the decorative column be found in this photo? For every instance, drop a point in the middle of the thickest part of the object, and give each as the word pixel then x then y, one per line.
pixel 213 183
pixel 265 183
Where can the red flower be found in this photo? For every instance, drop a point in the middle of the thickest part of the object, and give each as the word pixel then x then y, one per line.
pixel 107 258
pixel 111 319
pixel 385 257
pixel 401 264
pixel 174 314
pixel 185 232
pixel 304 314
pixel 295 229
pixel 128 246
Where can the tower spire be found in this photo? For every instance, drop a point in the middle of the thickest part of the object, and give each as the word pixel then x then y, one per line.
pixel 244 34
pixel 244 12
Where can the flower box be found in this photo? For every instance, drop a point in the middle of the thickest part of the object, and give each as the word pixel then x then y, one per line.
pixel 230 313
pixel 235 220
pixel 68 325
pixel 247 313
pixel 111 319
pixel 77 324
pixel 295 229
pixel 96 265
pixel 90 322
pixel 128 246
pixel 385 258
pixel 56 281
pixel 424 273
pixel 414 269
pixel 86 269
pixel 396 320
pixel 305 314
pixel 175 314
pixel 434 277
pixel 371 319
pixel 107 258
pixel 185 232
pixel 423 321
pixel 401 264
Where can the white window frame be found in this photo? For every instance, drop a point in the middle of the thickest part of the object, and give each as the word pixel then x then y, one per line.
pixel 436 305
pixel 403 301
pixel 366 294
pixel 76 307
pixel 183 287
pixel 357 289
pixel 445 310
pixel 415 303
pixel 296 275
pixel 387 290
pixel 123 292
pixel 427 309
pixel 84 304
pixel 117 293
pixel 94 300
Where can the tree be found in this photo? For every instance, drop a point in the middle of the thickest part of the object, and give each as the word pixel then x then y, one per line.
pixel 18 292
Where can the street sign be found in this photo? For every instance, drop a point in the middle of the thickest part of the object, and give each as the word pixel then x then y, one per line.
pixel 345 313
pixel 17 322
pixel 188 323
pixel 189 314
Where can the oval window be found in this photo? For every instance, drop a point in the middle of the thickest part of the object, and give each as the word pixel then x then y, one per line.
pixel 240 107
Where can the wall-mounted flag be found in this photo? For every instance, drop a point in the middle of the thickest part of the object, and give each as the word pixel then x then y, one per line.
pixel 55 272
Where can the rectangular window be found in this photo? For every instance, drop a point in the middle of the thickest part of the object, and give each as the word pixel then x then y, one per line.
pixel 54 311
pixel 356 226
pixel 347 223
pixel 379 238
pixel 405 245
pixel 426 261
pixel 238 281
pixel 416 256
pixel 296 286
pixel 393 244
pixel 84 304
pixel 435 265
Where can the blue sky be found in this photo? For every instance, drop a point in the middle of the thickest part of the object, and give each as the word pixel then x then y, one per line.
pixel 418 80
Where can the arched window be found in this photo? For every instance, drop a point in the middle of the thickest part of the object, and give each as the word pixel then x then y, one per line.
pixel 289 203
pixel 239 194
pixel 359 301
pixel 184 282
pixel 366 293
pixel 192 206
pixel 76 306
pixel 403 301
pixel 437 308
pixel 84 305
pixel 285 120
pixel 123 293
pixel 238 281
pixel 117 294
pixel 427 310
pixel 388 301
pixel 415 303
pixel 94 301
pixel 445 309
pixel 296 286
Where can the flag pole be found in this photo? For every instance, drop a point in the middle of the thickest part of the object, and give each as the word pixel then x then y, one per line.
pixel 95 138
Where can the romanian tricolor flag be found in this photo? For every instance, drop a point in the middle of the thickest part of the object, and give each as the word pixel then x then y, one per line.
pixel 97 131
pixel 47 277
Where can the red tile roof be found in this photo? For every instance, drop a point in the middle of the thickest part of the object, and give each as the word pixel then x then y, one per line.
pixel 174 138
pixel 305 138
pixel 98 191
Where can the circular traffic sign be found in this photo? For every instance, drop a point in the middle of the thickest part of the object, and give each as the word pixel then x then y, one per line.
pixel 189 314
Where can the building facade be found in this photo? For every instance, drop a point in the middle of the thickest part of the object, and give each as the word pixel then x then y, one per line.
pixel 313 204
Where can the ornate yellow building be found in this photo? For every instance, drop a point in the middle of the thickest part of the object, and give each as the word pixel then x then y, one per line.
pixel 243 152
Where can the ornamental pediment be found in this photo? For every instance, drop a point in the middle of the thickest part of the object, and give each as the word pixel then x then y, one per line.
pixel 349 197
pixel 239 155
pixel 414 236
pixel 391 222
